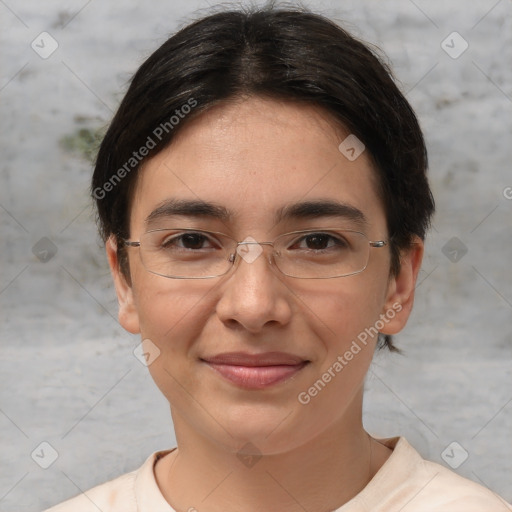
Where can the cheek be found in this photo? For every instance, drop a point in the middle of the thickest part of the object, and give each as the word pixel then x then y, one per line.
pixel 172 316
pixel 343 316
pixel 169 308
pixel 343 308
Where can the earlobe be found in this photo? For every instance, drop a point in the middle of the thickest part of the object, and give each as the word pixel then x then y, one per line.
pixel 128 315
pixel 400 297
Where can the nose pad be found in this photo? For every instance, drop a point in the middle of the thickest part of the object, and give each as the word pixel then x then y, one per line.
pixel 249 250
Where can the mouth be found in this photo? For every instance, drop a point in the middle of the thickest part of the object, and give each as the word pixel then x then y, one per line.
pixel 256 371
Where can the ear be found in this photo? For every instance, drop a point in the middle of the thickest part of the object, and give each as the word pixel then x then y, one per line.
pixel 401 287
pixel 128 315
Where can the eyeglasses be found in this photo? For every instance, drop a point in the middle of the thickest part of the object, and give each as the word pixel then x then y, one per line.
pixel 186 253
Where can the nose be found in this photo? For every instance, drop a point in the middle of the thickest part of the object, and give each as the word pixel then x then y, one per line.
pixel 253 294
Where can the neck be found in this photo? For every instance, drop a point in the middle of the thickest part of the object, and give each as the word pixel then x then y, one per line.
pixel 320 475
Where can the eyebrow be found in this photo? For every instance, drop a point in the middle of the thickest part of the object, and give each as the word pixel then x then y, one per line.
pixel 320 208
pixel 301 210
pixel 188 208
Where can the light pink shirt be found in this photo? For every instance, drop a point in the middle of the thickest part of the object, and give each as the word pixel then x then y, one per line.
pixel 405 483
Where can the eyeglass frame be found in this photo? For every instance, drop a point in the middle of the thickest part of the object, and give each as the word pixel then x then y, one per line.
pixel 232 257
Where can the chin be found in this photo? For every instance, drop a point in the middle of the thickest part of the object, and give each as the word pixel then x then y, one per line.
pixel 270 429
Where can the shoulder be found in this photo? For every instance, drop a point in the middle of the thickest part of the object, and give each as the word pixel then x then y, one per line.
pixel 118 495
pixel 115 495
pixel 409 483
pixel 446 491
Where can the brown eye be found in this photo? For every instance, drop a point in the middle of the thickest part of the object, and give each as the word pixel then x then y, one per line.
pixel 320 242
pixel 317 241
pixel 191 241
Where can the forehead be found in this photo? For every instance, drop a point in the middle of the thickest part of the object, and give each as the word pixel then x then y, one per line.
pixel 255 159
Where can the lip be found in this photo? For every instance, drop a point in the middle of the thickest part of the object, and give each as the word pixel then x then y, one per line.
pixel 256 371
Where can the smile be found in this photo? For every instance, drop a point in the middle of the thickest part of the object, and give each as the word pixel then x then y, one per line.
pixel 256 371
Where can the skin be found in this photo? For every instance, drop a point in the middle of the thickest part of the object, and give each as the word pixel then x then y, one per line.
pixel 254 156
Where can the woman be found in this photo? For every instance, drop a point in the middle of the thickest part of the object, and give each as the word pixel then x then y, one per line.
pixel 263 197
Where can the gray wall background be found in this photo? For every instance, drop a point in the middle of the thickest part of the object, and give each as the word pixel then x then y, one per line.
pixel 69 377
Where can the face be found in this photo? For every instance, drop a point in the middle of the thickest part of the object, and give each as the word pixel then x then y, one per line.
pixel 253 158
